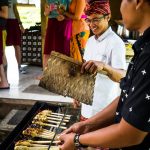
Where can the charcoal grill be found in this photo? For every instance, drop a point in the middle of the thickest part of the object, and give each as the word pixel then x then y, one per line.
pixel 16 134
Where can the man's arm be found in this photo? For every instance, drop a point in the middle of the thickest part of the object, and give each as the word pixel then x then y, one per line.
pixel 97 66
pixel 114 74
pixel 100 120
pixel 118 135
pixel 4 12
pixel 105 117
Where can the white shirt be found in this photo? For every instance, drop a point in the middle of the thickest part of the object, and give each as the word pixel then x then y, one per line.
pixel 11 14
pixel 110 49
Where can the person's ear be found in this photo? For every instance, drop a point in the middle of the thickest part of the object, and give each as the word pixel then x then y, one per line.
pixel 139 3
pixel 108 17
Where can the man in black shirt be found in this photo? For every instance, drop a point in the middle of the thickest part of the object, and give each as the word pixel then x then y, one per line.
pixel 125 123
pixel 3 16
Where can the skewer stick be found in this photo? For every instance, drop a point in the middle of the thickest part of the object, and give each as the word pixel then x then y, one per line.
pixel 44 119
pixel 57 122
pixel 35 148
pixel 35 132
pixel 34 143
pixel 49 125
pixel 68 118
pixel 53 115
pixel 27 143
pixel 50 112
pixel 43 142
pixel 42 136
pixel 59 119
pixel 38 131
pixel 45 137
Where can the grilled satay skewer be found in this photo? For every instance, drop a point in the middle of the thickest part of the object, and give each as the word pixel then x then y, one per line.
pixel 27 143
pixel 51 118
pixel 32 143
pixel 43 142
pixel 50 112
pixel 44 119
pixel 35 132
pixel 39 131
pixel 35 148
pixel 54 116
pixel 49 125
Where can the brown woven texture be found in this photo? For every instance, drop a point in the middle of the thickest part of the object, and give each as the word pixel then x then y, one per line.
pixel 62 76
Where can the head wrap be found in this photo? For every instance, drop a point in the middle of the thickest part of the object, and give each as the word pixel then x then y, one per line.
pixel 98 7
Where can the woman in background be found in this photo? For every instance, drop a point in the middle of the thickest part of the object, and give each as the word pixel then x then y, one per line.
pixel 3 16
pixel 58 31
pixel 14 36
pixel 80 30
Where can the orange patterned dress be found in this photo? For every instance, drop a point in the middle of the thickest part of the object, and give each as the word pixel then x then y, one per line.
pixel 80 30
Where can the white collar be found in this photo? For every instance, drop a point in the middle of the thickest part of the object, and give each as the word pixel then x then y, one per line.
pixel 104 35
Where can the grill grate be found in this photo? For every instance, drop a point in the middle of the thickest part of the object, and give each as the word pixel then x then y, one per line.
pixel 17 134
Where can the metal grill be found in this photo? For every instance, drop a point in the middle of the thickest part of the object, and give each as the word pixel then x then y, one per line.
pixel 33 132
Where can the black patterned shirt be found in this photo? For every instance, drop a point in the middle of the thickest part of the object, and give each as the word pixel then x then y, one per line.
pixel 134 104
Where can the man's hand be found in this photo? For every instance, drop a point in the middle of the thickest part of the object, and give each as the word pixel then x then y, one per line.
pixel 67 141
pixel 76 104
pixel 92 66
pixel 79 127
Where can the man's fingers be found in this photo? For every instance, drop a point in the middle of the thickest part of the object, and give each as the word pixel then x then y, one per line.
pixel 76 103
pixel 60 148
pixel 69 130
pixel 88 66
pixel 83 66
pixel 93 68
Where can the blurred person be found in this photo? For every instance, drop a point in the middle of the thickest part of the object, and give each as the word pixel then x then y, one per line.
pixel 14 28
pixel 58 30
pixel 3 17
pixel 125 123
pixel 80 30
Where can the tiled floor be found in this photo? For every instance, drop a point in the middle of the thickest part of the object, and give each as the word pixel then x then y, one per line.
pixel 19 82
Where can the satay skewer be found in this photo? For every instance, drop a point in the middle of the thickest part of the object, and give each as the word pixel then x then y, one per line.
pixel 54 116
pixel 41 136
pixel 38 131
pixel 57 115
pixel 43 142
pixel 35 148
pixel 49 125
pixel 50 112
pixel 34 143
pixel 44 119
pixel 27 143
pixel 42 133
pixel 51 118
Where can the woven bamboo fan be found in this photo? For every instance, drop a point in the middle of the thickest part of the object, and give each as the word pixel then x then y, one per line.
pixel 62 76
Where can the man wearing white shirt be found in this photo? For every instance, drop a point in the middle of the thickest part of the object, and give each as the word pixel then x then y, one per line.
pixel 104 51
